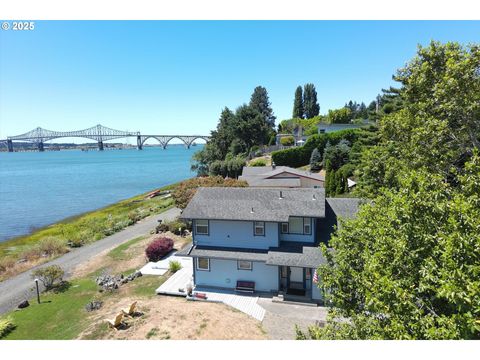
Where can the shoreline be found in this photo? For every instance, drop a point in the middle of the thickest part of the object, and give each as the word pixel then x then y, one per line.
pixel 20 254
pixel 72 218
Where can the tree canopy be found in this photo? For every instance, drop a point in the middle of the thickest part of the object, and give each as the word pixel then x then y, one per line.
pixel 408 266
pixel 298 111
pixel 310 102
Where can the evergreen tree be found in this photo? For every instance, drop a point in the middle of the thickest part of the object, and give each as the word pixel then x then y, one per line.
pixel 298 110
pixel 315 160
pixel 310 102
pixel 260 103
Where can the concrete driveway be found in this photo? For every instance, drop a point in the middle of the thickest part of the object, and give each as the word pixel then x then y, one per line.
pixel 280 319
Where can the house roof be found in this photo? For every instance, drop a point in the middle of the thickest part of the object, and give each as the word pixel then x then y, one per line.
pixel 296 254
pixel 255 204
pixel 265 176
pixel 344 207
pixel 293 254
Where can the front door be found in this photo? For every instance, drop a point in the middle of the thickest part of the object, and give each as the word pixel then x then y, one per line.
pixel 296 278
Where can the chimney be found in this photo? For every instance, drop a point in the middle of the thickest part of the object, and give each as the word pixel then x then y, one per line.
pixel 273 165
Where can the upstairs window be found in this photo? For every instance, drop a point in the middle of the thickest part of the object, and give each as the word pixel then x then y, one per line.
pixel 201 227
pixel 259 228
pixel 295 225
pixel 307 226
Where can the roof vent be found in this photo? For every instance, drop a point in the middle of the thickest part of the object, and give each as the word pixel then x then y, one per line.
pixel 273 165
pixel 314 197
pixel 281 195
pixel 251 211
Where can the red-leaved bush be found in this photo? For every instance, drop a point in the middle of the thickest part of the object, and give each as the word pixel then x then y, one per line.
pixel 158 248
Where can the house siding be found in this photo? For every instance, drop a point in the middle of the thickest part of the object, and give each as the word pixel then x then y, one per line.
pixel 238 234
pixel 225 274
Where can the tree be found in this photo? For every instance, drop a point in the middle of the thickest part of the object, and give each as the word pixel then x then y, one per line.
pixel 310 102
pixel 250 127
pixel 407 266
pixel 339 116
pixel 337 155
pixel 298 111
pixel 437 125
pixel 315 160
pixel 260 102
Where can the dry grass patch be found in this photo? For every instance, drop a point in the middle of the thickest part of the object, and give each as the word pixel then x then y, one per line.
pixel 175 318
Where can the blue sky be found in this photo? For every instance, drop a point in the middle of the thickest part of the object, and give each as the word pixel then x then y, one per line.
pixel 175 77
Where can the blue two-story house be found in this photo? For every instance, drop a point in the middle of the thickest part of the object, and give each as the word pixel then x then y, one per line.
pixel 263 239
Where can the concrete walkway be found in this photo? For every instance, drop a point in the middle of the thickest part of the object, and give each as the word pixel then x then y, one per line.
pixel 21 287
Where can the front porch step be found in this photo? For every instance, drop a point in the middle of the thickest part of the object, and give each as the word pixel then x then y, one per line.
pixel 289 300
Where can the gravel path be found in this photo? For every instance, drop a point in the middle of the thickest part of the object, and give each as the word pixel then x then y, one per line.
pixel 21 287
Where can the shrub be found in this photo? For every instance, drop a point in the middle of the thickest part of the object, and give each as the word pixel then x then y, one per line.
pixel 287 141
pixel 133 217
pixel 300 156
pixel 158 248
pixel 186 189
pixel 6 263
pixel 52 246
pixel 315 160
pixel 174 266
pixel 6 326
pixel 49 275
pixel 258 162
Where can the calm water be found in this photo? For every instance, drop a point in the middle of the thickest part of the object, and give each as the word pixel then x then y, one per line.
pixel 37 189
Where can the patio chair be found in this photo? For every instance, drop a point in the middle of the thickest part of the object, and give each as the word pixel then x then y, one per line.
pixel 117 322
pixel 131 310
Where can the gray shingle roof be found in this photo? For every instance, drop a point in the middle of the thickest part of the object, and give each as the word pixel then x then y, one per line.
pixel 296 254
pixel 345 207
pixel 266 176
pixel 255 204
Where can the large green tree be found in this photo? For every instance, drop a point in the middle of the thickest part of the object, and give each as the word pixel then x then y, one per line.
pixel 438 124
pixel 298 110
pixel 310 102
pixel 260 102
pixel 408 267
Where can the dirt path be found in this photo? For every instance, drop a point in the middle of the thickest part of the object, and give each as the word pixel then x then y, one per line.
pixel 21 287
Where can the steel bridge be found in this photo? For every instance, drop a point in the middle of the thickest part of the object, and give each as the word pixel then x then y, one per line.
pixel 99 133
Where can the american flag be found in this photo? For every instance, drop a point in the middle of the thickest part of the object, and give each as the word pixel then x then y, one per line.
pixel 315 277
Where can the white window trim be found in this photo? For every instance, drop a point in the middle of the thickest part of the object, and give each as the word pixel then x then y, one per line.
pixel 262 226
pixel 309 224
pixel 281 228
pixel 202 233
pixel 198 264
pixel 240 268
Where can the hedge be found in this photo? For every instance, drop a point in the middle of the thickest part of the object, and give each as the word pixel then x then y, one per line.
pixel 300 156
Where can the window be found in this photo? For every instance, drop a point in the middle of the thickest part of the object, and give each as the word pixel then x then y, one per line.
pixel 259 228
pixel 244 265
pixel 307 226
pixel 284 228
pixel 284 272
pixel 203 264
pixel 201 227
pixel 295 225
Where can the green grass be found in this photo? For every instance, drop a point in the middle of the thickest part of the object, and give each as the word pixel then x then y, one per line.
pixel 58 316
pixel 120 252
pixel 146 285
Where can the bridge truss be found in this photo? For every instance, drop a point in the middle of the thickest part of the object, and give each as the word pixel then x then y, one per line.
pixel 98 133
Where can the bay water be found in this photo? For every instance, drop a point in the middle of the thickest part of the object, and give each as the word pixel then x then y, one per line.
pixel 41 188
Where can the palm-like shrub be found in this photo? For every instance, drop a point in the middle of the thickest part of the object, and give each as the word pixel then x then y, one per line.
pixel 158 248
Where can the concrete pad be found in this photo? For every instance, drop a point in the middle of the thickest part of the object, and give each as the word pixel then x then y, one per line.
pixel 162 266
